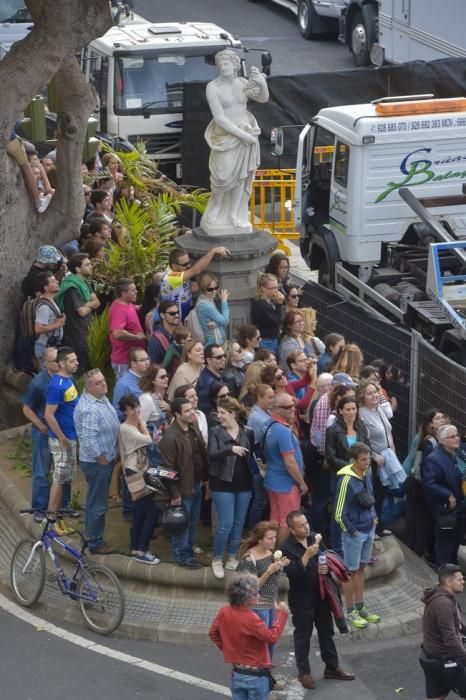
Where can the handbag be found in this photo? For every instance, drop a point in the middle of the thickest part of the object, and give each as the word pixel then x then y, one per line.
pixel 364 499
pixel 446 520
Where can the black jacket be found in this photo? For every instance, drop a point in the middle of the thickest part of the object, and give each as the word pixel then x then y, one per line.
pixel 304 582
pixel 221 456
pixel 336 447
pixel 267 317
pixel 233 378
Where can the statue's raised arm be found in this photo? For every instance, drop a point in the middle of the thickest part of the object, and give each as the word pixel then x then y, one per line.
pixel 233 138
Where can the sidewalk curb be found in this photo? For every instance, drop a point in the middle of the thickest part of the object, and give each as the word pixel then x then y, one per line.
pixel 172 583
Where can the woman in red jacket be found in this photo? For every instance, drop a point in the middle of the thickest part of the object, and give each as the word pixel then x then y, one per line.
pixel 244 638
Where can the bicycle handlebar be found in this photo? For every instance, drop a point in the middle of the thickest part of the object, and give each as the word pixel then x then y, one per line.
pixel 46 512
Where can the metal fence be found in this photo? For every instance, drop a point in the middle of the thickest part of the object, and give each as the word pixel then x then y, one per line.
pixel 438 383
pixel 423 378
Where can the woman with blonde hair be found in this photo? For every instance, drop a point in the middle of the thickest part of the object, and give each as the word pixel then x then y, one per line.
pixel 252 377
pixel 231 461
pixel 233 374
pixel 349 361
pixel 267 311
pixel 310 325
pixel 192 363
pixel 214 322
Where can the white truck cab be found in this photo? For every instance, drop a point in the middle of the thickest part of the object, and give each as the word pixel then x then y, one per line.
pixel 138 69
pixel 353 160
pixel 376 185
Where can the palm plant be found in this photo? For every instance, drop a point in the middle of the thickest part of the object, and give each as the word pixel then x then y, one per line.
pixel 98 347
pixel 144 239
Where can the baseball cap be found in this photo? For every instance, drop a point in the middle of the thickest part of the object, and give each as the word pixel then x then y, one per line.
pixel 48 254
pixel 342 378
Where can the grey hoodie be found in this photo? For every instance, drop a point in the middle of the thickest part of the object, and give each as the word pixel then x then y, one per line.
pixel 442 624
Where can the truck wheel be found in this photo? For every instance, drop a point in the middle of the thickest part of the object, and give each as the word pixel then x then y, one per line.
pixel 324 276
pixel 306 18
pixel 360 41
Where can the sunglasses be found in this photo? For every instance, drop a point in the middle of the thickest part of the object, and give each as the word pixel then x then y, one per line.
pixel 186 264
pixel 172 313
pixel 212 289
pixel 218 357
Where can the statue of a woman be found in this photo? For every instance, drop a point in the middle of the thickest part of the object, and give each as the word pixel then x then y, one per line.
pixel 233 137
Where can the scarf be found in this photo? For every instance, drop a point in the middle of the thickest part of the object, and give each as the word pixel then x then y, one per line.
pixel 72 281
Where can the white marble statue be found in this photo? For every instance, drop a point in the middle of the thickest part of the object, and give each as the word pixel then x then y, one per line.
pixel 233 137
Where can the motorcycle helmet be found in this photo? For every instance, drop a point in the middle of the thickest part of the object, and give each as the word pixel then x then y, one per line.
pixel 156 478
pixel 175 520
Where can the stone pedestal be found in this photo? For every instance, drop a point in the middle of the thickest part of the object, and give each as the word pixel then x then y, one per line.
pixel 250 254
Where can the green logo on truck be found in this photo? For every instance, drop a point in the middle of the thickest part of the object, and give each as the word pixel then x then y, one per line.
pixel 421 170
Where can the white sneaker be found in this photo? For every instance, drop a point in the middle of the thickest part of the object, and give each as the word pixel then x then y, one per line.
pixel 232 564
pixel 217 568
pixel 44 203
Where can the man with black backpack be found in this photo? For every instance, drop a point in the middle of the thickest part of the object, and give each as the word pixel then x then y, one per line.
pixel 284 476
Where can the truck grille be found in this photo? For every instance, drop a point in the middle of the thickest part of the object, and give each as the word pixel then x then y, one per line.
pixel 155 143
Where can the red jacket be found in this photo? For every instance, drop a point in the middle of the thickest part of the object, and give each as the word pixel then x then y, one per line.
pixel 243 636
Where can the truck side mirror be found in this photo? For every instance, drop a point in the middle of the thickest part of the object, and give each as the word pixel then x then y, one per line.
pixel 266 61
pixel 276 140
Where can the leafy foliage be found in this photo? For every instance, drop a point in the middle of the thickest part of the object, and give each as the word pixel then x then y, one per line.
pixel 98 347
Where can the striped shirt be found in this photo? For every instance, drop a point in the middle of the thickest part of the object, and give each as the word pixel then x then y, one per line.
pixel 97 426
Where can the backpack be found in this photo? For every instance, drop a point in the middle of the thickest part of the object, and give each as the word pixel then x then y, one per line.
pixel 193 325
pixel 27 316
pixel 162 338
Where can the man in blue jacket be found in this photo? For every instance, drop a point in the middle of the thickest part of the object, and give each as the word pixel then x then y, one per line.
pixel 443 487
pixel 355 514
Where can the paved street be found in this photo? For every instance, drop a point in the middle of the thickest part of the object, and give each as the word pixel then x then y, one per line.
pixel 49 667
pixel 261 25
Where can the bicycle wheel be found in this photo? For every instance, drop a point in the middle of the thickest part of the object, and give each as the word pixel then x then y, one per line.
pixel 104 612
pixel 28 581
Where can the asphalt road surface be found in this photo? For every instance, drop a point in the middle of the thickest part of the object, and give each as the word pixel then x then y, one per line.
pixel 48 663
pixel 262 25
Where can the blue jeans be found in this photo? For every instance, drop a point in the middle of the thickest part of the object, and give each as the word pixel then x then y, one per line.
pixel 249 687
pixel 266 615
pixel 269 344
pixel 357 549
pixel 41 467
pixel 127 506
pixel 335 530
pixel 182 545
pixel 231 511
pixel 259 502
pixel 98 477
pixel 145 517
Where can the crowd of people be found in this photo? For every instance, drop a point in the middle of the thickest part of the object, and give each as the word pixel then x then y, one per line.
pixel 273 434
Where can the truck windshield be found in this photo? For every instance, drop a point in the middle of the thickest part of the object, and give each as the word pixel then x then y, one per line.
pixel 155 83
pixel 14 11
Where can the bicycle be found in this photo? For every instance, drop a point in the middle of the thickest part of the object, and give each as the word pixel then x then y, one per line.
pixel 96 588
